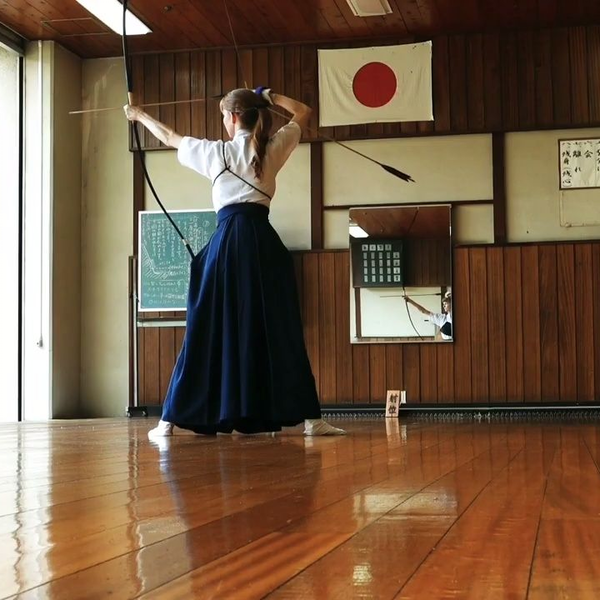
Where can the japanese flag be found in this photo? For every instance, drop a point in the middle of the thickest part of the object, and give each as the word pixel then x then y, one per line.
pixel 375 85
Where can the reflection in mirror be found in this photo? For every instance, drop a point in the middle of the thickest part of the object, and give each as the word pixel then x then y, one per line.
pixel 400 274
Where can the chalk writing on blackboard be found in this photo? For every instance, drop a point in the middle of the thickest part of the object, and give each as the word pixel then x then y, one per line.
pixel 164 262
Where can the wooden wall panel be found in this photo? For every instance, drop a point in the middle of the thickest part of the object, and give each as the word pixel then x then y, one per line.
pixel 310 311
pixel 561 76
pixel 427 263
pixel 459 119
pixel 492 82
pixel 183 88
pixel 526 80
pixel 137 74
pixel 260 67
pixel 548 321
pixel 475 65
pixel 229 74
pixel 543 80
pixel 143 397
pixel 567 322
pixel 479 320
pixel 198 90
pixel 327 334
pixel 489 82
pixel 461 307
pixel 526 321
pixel 245 71
pixel 150 355
pixel 593 72
pixel 412 372
pixel 377 373
pixel 445 373
pixel 509 74
pixel 276 78
pixel 584 316
pixel 496 325
pixel 214 87
pixel 530 282
pixel 579 75
pixel 513 310
pixel 394 366
pixel 441 86
pixel 151 94
pixel 428 368
pixel 361 379
pixel 596 321
pixel 343 355
pixel 168 74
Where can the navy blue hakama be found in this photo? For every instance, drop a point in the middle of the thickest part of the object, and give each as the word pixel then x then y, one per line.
pixel 243 365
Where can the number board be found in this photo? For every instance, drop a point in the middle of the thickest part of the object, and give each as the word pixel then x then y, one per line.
pixel 377 263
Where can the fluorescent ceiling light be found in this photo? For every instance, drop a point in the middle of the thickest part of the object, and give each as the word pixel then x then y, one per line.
pixel 110 12
pixel 370 8
pixel 358 232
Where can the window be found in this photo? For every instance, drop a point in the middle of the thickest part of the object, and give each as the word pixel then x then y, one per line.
pixel 10 249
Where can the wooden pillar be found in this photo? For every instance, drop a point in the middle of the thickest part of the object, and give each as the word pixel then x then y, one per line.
pixel 316 195
pixel 499 179
pixel 139 203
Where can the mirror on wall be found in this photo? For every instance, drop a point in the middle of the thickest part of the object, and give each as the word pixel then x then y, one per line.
pixel 401 274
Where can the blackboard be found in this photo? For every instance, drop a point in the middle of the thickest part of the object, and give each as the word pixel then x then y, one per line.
pixel 164 262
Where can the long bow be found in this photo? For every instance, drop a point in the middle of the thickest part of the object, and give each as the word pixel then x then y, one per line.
pixel 391 170
pixel 136 133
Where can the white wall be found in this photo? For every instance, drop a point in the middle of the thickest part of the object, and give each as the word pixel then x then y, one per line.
pixel 444 168
pixel 536 209
pixel 106 242
pixel 473 224
pixel 66 253
pixel 181 188
pixel 9 233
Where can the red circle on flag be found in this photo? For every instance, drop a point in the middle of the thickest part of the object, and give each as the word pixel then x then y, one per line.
pixel 374 85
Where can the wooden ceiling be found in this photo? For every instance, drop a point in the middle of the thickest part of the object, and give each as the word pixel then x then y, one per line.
pixel 404 222
pixel 187 24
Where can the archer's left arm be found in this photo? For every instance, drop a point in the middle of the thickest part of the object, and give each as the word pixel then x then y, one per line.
pixel 159 130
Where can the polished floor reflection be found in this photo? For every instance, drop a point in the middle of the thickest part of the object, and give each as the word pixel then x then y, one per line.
pixel 92 509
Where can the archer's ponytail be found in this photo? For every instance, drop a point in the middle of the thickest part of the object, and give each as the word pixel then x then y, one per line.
pixel 260 139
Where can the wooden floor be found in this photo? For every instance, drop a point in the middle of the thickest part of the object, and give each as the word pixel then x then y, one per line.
pixel 92 509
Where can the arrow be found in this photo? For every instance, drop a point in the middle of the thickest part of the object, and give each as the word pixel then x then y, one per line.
pixel 96 110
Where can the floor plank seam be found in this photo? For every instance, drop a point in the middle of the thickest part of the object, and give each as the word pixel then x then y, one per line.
pixel 539 524
pixel 397 596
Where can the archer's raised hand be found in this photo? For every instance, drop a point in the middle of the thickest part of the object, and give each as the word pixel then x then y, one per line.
pixel 133 113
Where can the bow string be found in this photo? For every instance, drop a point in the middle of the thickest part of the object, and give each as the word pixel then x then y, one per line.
pixel 136 133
